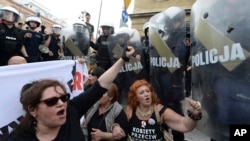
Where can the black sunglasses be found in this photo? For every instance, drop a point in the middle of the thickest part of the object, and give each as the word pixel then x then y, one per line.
pixel 53 100
pixel 92 74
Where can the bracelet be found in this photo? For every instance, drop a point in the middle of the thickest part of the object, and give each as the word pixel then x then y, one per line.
pixel 125 58
pixel 194 117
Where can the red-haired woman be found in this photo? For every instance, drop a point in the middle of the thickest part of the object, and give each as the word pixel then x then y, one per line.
pixel 141 113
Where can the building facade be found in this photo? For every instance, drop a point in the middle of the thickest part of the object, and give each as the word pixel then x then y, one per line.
pixel 33 8
pixel 145 9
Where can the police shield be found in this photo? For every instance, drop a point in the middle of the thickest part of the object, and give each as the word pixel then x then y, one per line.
pixel 134 69
pixel 168 54
pixel 76 42
pixel 221 64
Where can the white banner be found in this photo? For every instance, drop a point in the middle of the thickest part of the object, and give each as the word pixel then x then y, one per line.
pixel 12 78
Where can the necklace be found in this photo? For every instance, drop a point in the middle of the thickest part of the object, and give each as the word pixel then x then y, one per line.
pixel 144 114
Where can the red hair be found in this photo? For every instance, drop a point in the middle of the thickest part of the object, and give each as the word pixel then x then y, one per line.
pixel 132 99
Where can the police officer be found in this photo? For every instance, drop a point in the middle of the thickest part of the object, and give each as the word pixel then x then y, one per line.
pixel 101 46
pixel 135 67
pixel 79 34
pixel 32 39
pixel 54 44
pixel 168 71
pixel 145 44
pixel 222 83
pixel 10 36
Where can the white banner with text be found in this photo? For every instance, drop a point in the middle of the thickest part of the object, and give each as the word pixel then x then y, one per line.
pixel 12 78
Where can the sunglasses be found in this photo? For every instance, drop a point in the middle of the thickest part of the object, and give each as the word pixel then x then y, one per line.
pixel 53 100
pixel 92 74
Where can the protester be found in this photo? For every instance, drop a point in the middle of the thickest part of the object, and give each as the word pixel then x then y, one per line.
pixel 14 60
pixel 94 74
pixel 103 115
pixel 48 118
pixel 141 113
pixel 8 46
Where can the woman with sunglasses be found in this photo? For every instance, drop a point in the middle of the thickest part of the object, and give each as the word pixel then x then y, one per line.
pixel 94 74
pixel 50 115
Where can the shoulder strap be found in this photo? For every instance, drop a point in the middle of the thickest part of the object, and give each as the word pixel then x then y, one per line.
pixel 157 114
pixel 167 135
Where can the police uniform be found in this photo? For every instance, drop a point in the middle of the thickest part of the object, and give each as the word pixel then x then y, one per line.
pixel 10 43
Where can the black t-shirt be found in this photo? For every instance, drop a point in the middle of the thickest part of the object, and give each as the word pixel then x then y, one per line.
pixel 98 121
pixel 145 130
pixel 71 130
pixel 53 47
pixel 90 28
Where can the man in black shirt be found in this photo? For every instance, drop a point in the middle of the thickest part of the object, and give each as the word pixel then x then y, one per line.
pixel 89 26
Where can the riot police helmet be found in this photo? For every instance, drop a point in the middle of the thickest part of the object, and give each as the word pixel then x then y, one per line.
pixel 125 33
pixel 9 14
pixel 79 26
pixel 56 29
pixel 107 27
pixel 176 17
pixel 33 19
pixel 159 23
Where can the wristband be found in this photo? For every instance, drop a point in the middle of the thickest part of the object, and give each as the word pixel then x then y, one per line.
pixel 194 117
pixel 124 57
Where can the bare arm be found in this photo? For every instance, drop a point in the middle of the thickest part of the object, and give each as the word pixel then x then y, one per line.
pixel 47 42
pixel 23 51
pixel 100 135
pixel 181 123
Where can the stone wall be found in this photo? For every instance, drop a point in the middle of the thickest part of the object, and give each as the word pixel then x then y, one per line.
pixel 27 12
pixel 144 9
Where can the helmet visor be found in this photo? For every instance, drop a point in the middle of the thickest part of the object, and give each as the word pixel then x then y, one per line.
pixel 9 16
pixel 78 28
pixel 56 30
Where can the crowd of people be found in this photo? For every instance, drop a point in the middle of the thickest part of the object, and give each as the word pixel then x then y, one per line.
pixel 52 115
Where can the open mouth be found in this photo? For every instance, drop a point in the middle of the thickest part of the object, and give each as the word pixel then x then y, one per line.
pixel 61 112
